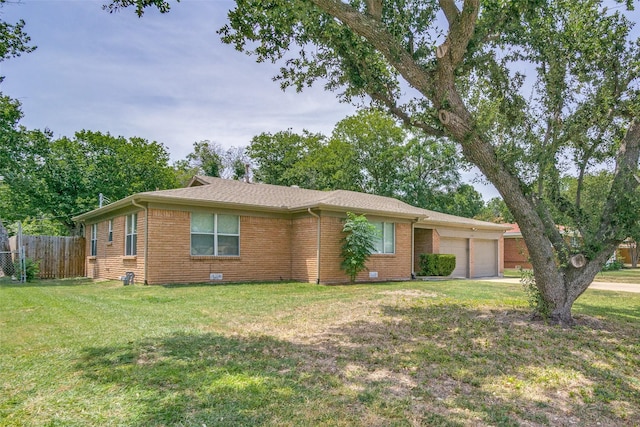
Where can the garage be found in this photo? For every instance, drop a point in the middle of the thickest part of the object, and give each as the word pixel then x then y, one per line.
pixel 459 248
pixel 485 261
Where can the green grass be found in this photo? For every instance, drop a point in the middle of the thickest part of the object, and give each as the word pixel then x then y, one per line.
pixel 625 275
pixel 449 353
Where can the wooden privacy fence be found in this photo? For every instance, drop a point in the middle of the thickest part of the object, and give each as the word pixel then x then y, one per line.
pixel 58 256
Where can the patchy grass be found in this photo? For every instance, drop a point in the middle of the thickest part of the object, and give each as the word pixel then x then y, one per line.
pixel 450 353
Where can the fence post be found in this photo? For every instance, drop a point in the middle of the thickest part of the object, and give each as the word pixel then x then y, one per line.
pixel 23 265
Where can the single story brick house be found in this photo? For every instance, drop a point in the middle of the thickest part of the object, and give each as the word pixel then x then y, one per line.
pixel 228 231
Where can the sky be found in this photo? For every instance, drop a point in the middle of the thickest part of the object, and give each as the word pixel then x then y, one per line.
pixel 163 77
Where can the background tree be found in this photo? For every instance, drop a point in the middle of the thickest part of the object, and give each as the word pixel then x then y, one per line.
pixel 495 210
pixel 53 180
pixel 282 158
pixel 577 105
pixel 377 143
pixel 369 152
pixel 206 158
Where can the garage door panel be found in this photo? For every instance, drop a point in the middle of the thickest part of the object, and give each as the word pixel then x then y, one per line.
pixel 459 248
pixel 486 258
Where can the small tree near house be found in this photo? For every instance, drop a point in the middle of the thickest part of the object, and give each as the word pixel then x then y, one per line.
pixel 358 244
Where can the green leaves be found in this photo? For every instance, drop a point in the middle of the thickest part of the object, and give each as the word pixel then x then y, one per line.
pixel 372 153
pixel 358 244
pixel 56 179
pixel 13 40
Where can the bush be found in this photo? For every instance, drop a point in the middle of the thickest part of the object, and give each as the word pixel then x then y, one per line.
pixel 32 269
pixel 613 266
pixel 357 244
pixel 437 264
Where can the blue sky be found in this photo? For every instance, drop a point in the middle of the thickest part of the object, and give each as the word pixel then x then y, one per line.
pixel 166 78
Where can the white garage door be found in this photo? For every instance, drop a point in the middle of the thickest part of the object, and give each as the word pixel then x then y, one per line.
pixel 485 258
pixel 460 249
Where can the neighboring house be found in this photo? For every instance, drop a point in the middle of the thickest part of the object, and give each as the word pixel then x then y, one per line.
pixel 228 231
pixel 516 254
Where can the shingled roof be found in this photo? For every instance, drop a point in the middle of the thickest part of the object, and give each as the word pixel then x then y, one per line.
pixel 265 197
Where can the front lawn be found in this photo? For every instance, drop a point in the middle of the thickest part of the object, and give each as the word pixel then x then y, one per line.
pixel 450 353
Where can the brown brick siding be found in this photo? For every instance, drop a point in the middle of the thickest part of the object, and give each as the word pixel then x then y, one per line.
pixel 515 253
pixel 110 262
pixel 265 252
pixel 427 241
pixel 304 242
pixel 388 266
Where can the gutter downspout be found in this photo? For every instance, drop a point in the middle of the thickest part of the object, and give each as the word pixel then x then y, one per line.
pixel 146 238
pixel 413 248
pixel 317 246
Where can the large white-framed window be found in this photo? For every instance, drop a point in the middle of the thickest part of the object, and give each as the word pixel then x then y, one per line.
pixel 94 240
pixel 215 234
pixel 385 242
pixel 131 235
pixel 110 231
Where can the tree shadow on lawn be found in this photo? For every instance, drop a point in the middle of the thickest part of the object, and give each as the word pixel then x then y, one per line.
pixel 439 364
pixel 623 314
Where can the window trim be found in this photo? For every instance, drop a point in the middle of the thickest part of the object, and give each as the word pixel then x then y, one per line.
pixel 216 234
pixel 132 220
pixel 382 238
pixel 93 248
pixel 110 231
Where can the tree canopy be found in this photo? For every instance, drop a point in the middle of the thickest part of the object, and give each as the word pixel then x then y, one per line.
pixel 368 152
pixel 55 179
pixel 531 91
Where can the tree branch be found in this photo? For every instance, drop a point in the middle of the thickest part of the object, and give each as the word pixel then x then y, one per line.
pixel 405 117
pixel 461 29
pixel 374 8
pixel 450 10
pixel 371 29
pixel 625 183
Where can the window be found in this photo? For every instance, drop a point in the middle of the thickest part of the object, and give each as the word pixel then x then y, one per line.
pixel 94 240
pixel 385 242
pixel 215 234
pixel 110 233
pixel 131 235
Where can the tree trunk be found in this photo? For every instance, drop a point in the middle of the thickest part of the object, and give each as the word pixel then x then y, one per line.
pixel 559 283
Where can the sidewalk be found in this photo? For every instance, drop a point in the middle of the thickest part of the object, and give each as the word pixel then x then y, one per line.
pixel 605 286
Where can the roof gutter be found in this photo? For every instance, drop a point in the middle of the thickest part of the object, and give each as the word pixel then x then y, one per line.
pixel 319 229
pixel 146 238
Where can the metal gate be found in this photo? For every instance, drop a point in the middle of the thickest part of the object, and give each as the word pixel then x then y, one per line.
pixel 13 263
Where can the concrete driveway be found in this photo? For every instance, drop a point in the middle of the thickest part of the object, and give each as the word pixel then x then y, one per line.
pixel 605 286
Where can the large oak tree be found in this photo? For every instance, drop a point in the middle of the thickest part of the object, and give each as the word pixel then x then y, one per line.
pixel 531 90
